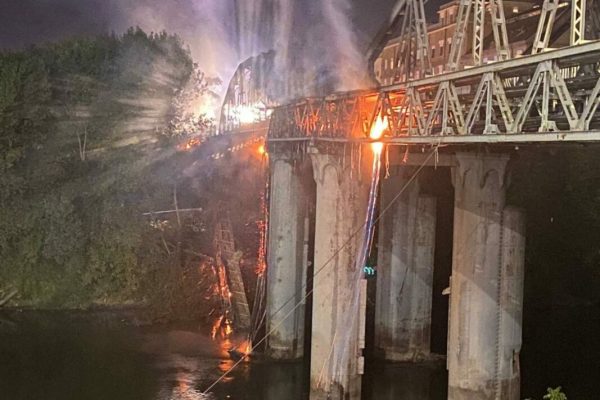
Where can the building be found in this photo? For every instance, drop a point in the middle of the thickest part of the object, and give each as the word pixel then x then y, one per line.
pixel 521 18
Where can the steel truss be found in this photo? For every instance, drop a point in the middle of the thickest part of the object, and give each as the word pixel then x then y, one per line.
pixel 578 11
pixel 545 25
pixel 498 19
pixel 414 40
pixel 555 91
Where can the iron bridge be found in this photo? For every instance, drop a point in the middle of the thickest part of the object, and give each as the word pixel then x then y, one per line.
pixel 545 97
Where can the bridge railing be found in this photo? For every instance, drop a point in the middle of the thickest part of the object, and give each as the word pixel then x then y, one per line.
pixel 543 93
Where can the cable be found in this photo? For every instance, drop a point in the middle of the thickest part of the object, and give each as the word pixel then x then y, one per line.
pixel 335 254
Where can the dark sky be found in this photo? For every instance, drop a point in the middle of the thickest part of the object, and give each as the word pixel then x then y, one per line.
pixel 208 27
pixel 24 22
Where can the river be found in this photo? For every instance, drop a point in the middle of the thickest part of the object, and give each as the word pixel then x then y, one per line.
pixel 99 356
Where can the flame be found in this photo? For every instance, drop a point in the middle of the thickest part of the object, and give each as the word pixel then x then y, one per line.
pixel 190 144
pixel 261 264
pixel 380 125
pixel 248 115
pixel 261 149
pixel 216 326
pixel 244 114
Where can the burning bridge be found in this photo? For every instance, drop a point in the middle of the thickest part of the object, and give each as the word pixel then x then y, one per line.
pixel 326 156
pixel 547 97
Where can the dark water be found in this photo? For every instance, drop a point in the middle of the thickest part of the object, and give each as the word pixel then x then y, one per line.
pixel 87 357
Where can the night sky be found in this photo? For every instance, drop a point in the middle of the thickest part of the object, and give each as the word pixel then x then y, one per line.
pixel 25 22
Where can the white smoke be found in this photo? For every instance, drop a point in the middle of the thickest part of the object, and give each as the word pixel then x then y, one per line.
pixel 314 40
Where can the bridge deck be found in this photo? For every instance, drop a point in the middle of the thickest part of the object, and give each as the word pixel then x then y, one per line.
pixel 542 98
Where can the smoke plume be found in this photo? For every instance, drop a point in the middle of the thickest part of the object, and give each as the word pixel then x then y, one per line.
pixel 314 42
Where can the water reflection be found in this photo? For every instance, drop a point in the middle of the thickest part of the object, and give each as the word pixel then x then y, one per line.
pixel 54 356
pixel 407 382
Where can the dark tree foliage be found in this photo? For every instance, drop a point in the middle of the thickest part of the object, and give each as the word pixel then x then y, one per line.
pixel 84 152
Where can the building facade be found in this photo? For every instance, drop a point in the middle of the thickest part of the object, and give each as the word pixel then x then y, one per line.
pixel 521 18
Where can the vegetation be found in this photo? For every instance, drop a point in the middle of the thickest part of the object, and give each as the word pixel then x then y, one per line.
pixel 554 394
pixel 88 132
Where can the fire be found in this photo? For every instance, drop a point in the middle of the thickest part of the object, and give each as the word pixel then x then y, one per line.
pixel 216 326
pixel 261 263
pixel 261 149
pixel 379 126
pixel 245 114
pixel 248 115
pixel 190 144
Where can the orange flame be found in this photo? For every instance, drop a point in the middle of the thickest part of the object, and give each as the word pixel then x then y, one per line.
pixel 261 264
pixel 190 144
pixel 379 126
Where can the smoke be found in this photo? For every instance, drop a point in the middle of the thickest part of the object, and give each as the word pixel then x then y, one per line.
pixel 314 41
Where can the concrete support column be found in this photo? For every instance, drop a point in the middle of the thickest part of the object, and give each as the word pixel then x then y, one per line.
pixel 511 303
pixel 335 371
pixel 286 269
pixel 405 270
pixel 483 300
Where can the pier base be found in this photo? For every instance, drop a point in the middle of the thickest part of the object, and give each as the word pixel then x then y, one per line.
pixel 338 301
pixel 405 270
pixel 486 285
pixel 286 272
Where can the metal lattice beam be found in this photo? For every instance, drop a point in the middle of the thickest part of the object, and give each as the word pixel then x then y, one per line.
pixel 478 31
pixel 460 32
pixel 545 25
pixel 414 47
pixel 554 91
pixel 578 9
pixel 499 29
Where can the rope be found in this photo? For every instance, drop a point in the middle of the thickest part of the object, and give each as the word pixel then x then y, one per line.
pixel 320 269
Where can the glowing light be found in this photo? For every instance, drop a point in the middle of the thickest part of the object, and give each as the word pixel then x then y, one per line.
pixel 248 115
pixel 379 126
pixel 216 326
pixel 261 149
pixel 190 144
pixel 245 114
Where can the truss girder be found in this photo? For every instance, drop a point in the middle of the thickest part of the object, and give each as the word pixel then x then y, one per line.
pixel 547 92
pixel 545 26
pixel 578 10
pixel 478 31
pixel 462 21
pixel 590 108
pixel 499 29
pixel 413 30
pixel 498 23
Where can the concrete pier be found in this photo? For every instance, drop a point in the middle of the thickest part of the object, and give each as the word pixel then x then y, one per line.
pixel 486 288
pixel 405 270
pixel 511 303
pixel 340 214
pixel 286 273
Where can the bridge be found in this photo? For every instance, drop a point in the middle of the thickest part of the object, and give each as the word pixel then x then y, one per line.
pixel 326 156
pixel 491 103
